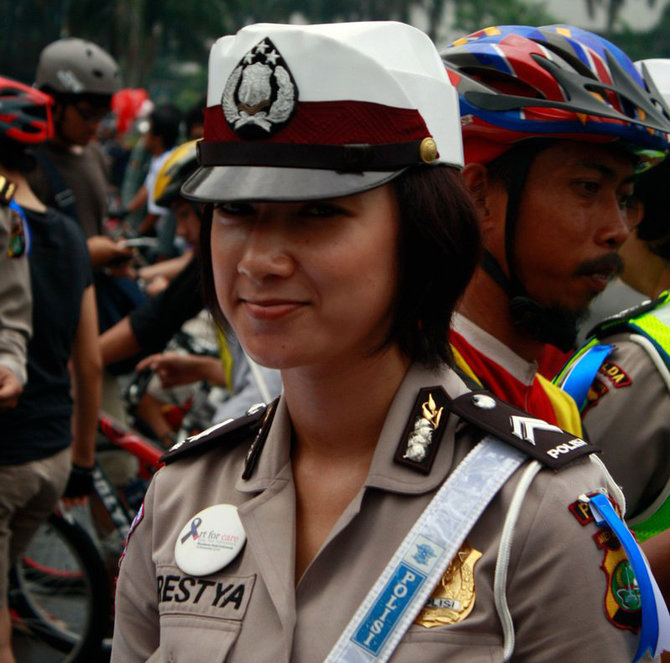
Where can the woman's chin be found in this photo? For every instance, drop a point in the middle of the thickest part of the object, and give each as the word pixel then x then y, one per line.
pixel 274 360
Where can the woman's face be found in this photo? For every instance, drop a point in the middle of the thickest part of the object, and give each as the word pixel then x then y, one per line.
pixel 307 283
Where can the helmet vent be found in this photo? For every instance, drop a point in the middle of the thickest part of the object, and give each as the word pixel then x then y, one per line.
pixel 571 60
pixel 502 82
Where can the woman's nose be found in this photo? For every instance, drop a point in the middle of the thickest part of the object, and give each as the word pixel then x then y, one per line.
pixel 266 254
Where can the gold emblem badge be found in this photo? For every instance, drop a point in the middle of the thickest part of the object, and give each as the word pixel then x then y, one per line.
pixel 428 150
pixel 454 597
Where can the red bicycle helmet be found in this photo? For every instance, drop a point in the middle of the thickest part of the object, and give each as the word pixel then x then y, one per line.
pixel 25 113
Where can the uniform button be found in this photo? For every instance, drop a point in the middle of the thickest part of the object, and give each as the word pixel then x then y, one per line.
pixel 483 402
pixel 256 408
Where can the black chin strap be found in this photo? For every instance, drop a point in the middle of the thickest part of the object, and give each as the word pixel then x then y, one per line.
pixel 545 324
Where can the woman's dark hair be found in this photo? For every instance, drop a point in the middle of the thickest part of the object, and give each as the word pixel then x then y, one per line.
pixel 438 249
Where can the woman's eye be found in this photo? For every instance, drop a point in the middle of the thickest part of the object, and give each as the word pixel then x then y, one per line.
pixel 323 210
pixel 233 209
pixel 232 212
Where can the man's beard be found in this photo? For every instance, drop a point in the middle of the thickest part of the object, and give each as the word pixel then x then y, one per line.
pixel 548 324
pixel 556 324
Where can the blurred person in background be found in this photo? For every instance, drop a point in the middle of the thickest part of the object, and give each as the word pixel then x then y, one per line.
pixel 48 437
pixel 72 175
pixel 15 295
pixel 159 140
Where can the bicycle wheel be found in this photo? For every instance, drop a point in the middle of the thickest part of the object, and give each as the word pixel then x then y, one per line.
pixel 60 591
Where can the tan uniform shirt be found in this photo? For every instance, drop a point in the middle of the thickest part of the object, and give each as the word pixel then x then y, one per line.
pixel 15 298
pixel 254 611
pixel 628 416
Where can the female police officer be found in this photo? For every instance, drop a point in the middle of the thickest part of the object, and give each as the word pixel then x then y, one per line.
pixel 339 242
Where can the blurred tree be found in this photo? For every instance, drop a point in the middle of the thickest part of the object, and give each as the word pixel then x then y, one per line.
pixel 473 15
pixel 162 45
pixel 26 27
pixel 612 10
pixel 139 32
pixel 654 43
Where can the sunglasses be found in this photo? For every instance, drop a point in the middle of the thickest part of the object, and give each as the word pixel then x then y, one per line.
pixel 90 113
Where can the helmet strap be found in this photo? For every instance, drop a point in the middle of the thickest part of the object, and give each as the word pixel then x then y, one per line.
pixel 545 324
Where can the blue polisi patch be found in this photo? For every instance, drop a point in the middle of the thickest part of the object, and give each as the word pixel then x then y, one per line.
pixel 408 577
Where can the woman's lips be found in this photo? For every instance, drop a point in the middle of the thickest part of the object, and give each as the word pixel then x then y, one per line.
pixel 272 309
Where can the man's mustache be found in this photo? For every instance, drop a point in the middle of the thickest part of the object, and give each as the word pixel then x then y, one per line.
pixel 610 264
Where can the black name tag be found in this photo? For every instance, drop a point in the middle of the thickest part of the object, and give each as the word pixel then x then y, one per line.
pixel 220 596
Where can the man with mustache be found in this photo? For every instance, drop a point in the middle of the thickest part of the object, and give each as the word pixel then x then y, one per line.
pixel 552 143
pixel 620 378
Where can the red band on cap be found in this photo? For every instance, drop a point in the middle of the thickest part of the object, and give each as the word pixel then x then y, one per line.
pixel 332 123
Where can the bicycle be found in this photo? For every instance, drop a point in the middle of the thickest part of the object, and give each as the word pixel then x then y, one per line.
pixel 61 588
pixel 59 594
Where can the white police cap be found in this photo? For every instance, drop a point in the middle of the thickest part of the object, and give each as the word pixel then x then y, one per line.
pixel 305 112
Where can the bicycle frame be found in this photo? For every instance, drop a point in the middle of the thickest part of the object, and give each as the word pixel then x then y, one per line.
pixel 148 455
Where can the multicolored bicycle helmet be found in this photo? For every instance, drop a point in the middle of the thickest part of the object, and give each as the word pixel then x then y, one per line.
pixel 25 113
pixel 517 82
pixel 178 167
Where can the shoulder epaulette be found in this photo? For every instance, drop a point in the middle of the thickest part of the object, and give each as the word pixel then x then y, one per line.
pixel 226 434
pixel 543 441
pixel 619 320
pixel 7 190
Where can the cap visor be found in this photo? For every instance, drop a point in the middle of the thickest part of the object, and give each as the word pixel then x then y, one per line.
pixel 273 184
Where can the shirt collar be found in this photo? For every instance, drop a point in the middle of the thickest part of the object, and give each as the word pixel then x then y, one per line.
pixel 489 346
pixel 385 474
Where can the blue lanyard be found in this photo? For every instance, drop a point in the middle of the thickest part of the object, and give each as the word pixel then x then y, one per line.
pixel 581 375
pixel 655 631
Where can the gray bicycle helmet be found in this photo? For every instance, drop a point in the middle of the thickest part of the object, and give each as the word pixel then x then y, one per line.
pixel 76 67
